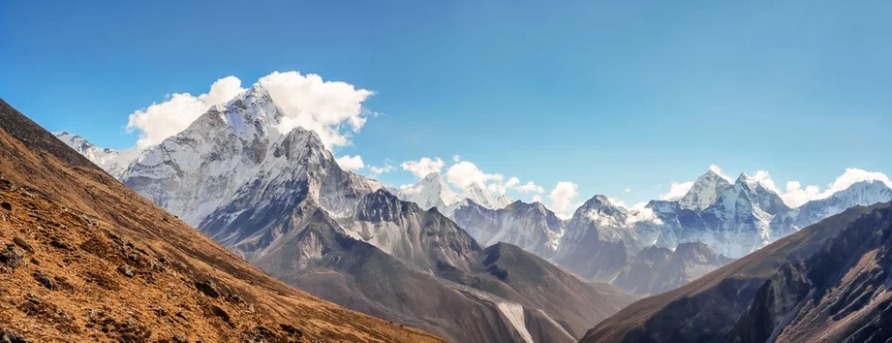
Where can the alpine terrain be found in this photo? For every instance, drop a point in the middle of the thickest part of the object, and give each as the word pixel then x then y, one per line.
pixel 826 283
pixel 663 244
pixel 85 259
pixel 275 196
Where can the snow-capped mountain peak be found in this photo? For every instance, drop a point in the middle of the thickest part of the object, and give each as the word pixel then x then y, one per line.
pixel 431 191
pixel 705 191
pixel 89 150
pixel 599 204
pixel 112 161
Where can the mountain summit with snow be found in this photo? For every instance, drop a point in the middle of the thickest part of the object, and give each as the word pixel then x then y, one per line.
pixel 112 161
pixel 432 191
pixel 276 196
pixel 705 191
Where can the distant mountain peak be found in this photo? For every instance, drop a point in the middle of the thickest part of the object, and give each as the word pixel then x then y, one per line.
pixel 706 190
pixel 600 203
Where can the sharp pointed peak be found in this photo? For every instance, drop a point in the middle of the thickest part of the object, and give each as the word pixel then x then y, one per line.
pixel 433 176
pixel 714 173
pixel 475 187
pixel 598 200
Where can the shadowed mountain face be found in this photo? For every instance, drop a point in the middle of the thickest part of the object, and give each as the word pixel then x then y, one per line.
pixel 417 267
pixel 85 259
pixel 592 244
pixel 277 197
pixel 826 282
pixel 839 294
pixel 636 249
pixel 656 270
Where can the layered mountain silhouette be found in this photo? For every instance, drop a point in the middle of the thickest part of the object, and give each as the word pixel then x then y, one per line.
pixel 665 244
pixel 86 259
pixel 276 196
pixel 828 282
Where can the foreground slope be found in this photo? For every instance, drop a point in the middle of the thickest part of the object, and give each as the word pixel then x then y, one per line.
pixel 709 308
pixel 86 259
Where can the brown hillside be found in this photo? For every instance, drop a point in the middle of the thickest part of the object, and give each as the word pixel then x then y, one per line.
pixel 82 258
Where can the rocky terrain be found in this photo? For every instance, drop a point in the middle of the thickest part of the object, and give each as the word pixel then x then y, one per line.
pixel 86 259
pixel 827 282
pixel 633 248
pixel 278 198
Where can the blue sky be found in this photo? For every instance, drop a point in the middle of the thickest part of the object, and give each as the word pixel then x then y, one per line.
pixel 610 95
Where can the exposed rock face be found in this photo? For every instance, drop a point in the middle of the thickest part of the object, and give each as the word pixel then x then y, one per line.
pixel 793 290
pixel 279 199
pixel 429 192
pixel 840 293
pixel 706 191
pixel 530 226
pixel 75 225
pixel 655 270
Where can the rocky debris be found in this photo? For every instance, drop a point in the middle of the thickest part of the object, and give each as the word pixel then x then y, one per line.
pixel 235 299
pixel 8 336
pixel 48 313
pixel 102 280
pixel 21 242
pixel 125 270
pixel 216 311
pixel 126 331
pixel 58 243
pixel 62 283
pixel 293 331
pixel 209 288
pixel 44 280
pixel 12 257
pixel 263 334
pixel 179 339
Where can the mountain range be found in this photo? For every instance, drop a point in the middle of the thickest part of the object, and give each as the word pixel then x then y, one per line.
pixel 85 259
pixel 277 197
pixel 607 242
pixel 469 266
pixel 828 282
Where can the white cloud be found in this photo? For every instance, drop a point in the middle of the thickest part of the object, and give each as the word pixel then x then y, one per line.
pixel 314 104
pixel 677 191
pixel 381 170
pixel 764 178
pixel 628 190
pixel 795 195
pixel 854 175
pixel 162 120
pixel 529 187
pixel 641 213
pixel 423 166
pixel 351 162
pixel 562 197
pixel 537 198
pixel 499 187
pixel 463 174
pixel 306 101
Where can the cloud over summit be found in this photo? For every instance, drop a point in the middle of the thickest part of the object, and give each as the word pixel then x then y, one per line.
pixel 332 109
